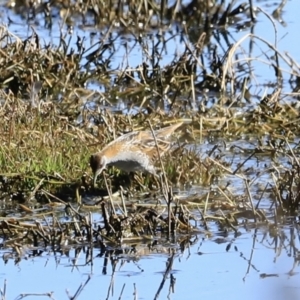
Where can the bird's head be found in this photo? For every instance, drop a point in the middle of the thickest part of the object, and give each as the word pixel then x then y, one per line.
pixel 97 163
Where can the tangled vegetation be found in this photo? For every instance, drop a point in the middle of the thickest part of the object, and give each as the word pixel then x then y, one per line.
pixel 53 118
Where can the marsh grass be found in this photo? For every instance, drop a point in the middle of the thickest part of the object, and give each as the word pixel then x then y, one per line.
pixel 51 122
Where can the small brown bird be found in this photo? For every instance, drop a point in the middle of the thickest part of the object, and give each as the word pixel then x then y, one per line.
pixel 134 151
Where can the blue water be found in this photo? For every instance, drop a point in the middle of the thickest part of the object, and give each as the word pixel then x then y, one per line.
pixel 203 271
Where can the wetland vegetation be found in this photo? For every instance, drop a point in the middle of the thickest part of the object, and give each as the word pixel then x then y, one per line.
pixel 62 102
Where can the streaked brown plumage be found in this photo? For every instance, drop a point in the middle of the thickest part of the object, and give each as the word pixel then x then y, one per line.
pixel 134 151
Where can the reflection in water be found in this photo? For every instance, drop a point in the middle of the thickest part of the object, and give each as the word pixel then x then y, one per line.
pixel 258 263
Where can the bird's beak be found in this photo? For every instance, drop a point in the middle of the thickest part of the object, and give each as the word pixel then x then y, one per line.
pixel 95 176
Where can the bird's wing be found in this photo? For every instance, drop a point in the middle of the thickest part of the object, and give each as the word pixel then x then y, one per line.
pixel 145 142
pixel 166 132
pixel 125 138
